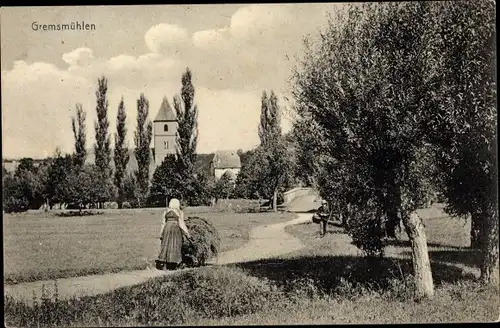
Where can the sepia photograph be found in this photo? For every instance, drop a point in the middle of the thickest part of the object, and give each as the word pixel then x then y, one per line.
pixel 250 164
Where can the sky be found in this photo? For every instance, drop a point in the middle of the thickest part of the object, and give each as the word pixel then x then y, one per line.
pixel 234 52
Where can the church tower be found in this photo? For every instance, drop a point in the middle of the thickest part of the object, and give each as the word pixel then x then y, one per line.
pixel 165 132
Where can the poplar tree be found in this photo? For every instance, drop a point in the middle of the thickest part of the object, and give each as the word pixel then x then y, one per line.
pixel 121 157
pixel 274 163
pixel 102 146
pixel 78 126
pixel 187 136
pixel 142 138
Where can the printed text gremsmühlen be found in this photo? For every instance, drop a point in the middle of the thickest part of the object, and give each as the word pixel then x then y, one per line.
pixel 71 26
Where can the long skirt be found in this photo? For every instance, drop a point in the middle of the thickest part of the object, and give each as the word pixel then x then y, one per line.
pixel 171 244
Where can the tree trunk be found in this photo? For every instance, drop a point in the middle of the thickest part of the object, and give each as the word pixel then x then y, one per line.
pixel 424 285
pixel 120 199
pixel 275 200
pixel 489 264
pixel 345 215
pixel 391 224
pixel 475 231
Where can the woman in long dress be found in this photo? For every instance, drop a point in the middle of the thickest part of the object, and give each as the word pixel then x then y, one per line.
pixel 173 227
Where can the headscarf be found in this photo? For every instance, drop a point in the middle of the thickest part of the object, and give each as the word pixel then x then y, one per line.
pixel 175 206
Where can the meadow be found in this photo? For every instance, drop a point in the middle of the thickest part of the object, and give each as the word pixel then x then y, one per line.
pixel 45 245
pixel 326 282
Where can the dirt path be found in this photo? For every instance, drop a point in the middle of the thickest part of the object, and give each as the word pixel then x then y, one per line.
pixel 265 241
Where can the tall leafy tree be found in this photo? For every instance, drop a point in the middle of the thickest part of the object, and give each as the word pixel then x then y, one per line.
pixel 187 136
pixel 464 125
pixel 15 194
pixel 83 186
pixel 272 153
pixel 59 168
pixel 42 174
pixel 364 90
pixel 121 157
pixel 102 146
pixel 80 135
pixel 142 138
pixel 224 187
pixel 25 189
pixel 166 182
pixel 130 187
pixel 249 180
pixel 270 119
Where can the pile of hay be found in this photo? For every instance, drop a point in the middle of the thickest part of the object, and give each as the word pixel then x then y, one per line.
pixel 204 243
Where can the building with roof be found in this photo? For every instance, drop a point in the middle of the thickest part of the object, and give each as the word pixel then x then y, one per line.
pixel 225 161
pixel 165 132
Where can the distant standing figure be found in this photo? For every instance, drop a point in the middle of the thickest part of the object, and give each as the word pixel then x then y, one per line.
pixel 173 227
pixel 324 214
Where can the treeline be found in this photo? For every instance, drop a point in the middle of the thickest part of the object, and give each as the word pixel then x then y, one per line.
pixel 266 171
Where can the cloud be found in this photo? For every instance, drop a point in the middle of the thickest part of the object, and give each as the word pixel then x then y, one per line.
pixel 165 38
pixel 257 41
pixel 38 100
pixel 30 72
pixel 252 25
pixel 78 57
pixel 259 20
pixel 211 39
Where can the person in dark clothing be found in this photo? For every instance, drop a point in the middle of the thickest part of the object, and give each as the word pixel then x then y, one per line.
pixel 324 214
pixel 173 227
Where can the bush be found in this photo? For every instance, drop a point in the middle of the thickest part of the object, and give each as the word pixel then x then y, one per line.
pixel 15 205
pixel 366 232
pixel 15 192
pixel 204 243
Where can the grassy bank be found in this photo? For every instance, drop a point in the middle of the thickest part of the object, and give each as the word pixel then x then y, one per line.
pixel 234 296
pixel 453 304
pixel 42 246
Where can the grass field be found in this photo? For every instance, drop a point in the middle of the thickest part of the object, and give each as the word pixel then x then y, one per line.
pixel 326 282
pixel 335 285
pixel 40 246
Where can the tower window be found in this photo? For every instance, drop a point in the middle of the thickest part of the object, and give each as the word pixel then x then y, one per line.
pixel 165 128
pixel 166 144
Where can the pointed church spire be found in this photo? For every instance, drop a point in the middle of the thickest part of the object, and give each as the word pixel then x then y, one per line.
pixel 165 113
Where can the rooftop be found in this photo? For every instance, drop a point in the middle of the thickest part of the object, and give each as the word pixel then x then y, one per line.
pixel 225 159
pixel 165 113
